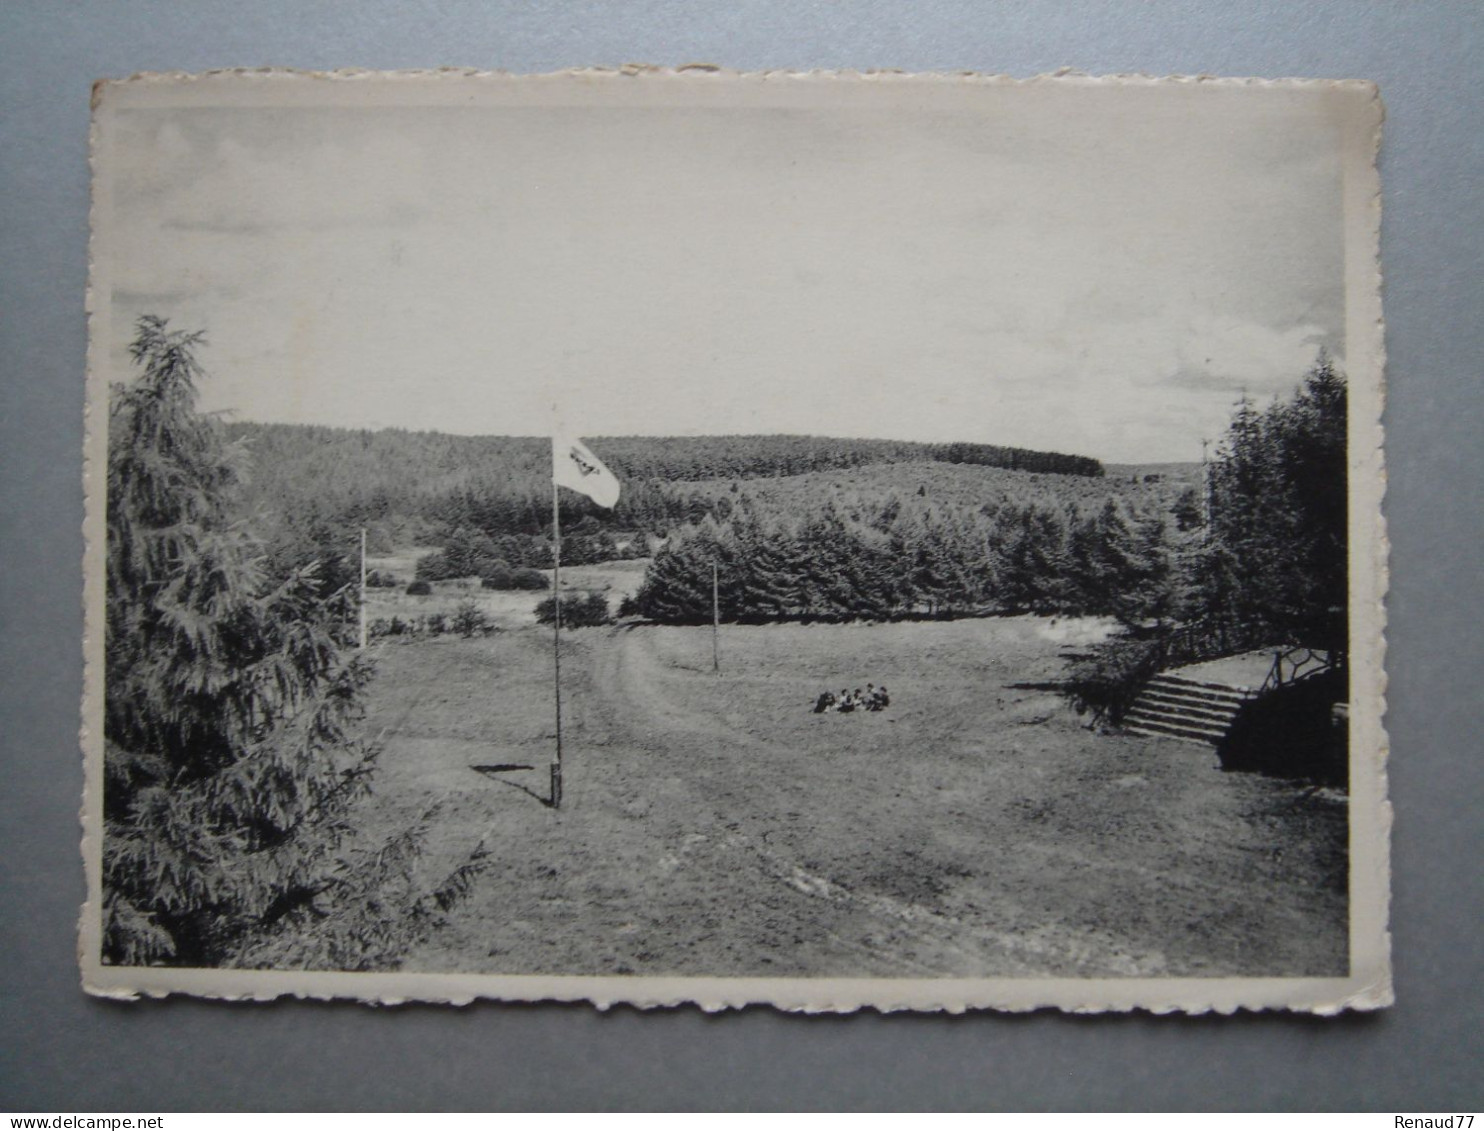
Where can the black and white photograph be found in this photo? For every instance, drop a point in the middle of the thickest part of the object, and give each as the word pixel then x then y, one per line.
pixel 656 536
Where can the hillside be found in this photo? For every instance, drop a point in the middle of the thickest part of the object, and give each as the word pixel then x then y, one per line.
pixel 1185 474
pixel 808 527
pixel 501 484
pixel 913 540
pixel 865 490
pixel 441 460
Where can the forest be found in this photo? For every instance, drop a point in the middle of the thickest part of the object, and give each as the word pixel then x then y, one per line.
pixel 1270 566
pixel 987 546
pixel 807 527
pixel 815 528
pixel 1256 553
pixel 313 488
pixel 1277 554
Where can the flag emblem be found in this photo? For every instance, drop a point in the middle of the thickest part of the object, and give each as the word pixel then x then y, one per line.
pixel 574 466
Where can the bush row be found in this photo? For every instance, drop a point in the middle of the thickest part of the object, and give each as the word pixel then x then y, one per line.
pixel 468 619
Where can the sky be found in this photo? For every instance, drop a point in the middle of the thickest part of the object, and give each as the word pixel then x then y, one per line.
pixel 1100 276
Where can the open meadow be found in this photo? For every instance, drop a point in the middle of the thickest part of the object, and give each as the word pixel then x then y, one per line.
pixel 502 608
pixel 713 825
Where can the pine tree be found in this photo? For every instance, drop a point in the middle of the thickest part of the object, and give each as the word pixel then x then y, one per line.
pixel 231 770
pixel 1122 566
pixel 1277 560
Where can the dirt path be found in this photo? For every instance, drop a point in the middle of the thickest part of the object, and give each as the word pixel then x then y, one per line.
pixel 768 804
pixel 712 825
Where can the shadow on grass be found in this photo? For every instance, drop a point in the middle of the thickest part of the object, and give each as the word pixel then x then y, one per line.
pixel 493 772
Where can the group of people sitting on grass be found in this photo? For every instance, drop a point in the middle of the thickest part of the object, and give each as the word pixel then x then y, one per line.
pixel 873 698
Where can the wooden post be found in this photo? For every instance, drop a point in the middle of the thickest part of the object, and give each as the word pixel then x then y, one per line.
pixel 715 621
pixel 363 588
pixel 556 638
pixel 1205 494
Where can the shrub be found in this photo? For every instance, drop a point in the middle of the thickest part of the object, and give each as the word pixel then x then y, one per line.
pixel 379 539
pixel 1108 680
pixel 381 579
pixel 577 612
pixel 468 619
pixel 419 588
pixel 517 578
pixel 435 625
pixel 467 551
pixel 434 567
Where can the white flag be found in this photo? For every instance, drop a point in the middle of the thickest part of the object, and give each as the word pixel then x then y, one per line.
pixel 574 465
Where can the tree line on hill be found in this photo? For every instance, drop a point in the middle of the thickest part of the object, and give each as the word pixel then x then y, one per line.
pixel 915 558
pixel 1270 566
pixel 315 487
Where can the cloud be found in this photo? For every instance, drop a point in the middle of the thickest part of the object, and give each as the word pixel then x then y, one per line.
pixel 245 181
pixel 722 272
pixel 1225 354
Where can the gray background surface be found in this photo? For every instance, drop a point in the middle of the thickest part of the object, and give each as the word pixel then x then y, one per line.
pixel 64 1052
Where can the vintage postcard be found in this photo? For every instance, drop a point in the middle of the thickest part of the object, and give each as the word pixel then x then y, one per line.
pixel 677 536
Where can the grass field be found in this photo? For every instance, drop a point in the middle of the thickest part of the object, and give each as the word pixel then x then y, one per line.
pixel 713 825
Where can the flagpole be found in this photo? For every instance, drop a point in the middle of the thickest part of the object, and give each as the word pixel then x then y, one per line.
pixel 556 638
pixel 715 620
pixel 576 467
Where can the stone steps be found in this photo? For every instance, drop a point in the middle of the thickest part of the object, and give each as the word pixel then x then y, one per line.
pixel 1172 706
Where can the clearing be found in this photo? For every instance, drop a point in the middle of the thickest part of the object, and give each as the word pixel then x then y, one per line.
pixel 504 608
pixel 712 825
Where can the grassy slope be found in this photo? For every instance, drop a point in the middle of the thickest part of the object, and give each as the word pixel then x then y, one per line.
pixel 713 825
pixel 951 485
pixel 1184 474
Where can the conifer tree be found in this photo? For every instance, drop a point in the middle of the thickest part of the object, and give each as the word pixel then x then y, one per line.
pixel 230 766
pixel 766 561
pixel 1277 558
